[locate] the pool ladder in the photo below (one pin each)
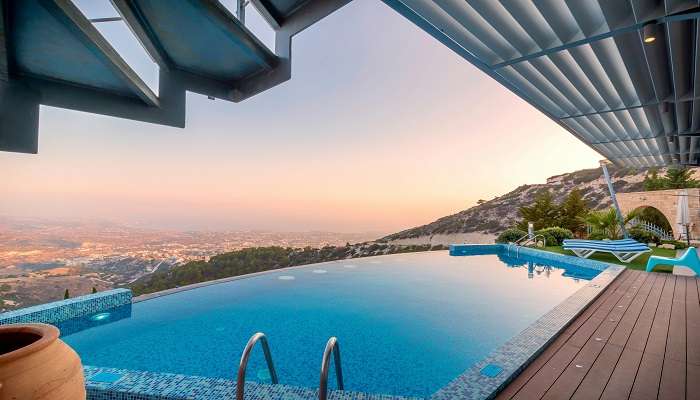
(525, 241)
(332, 348)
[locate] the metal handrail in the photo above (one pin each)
(533, 239)
(529, 239)
(517, 242)
(331, 347)
(240, 382)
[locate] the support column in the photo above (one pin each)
(19, 118)
(604, 165)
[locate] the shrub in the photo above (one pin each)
(643, 236)
(555, 236)
(510, 235)
(597, 236)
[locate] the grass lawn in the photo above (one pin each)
(639, 263)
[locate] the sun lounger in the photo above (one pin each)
(624, 250)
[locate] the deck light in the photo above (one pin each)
(649, 33)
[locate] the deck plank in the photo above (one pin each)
(646, 385)
(598, 376)
(692, 312)
(541, 381)
(620, 384)
(522, 379)
(639, 340)
(570, 379)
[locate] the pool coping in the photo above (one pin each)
(485, 379)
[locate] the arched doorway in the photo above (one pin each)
(653, 220)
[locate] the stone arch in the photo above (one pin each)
(668, 221)
(666, 201)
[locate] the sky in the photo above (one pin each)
(381, 128)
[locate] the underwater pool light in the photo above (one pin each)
(101, 316)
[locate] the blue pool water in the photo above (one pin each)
(407, 324)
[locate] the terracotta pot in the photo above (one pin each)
(36, 365)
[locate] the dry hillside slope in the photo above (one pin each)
(481, 223)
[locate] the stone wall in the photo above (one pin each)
(666, 201)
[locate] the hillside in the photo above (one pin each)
(481, 223)
(258, 259)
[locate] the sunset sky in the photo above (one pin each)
(381, 128)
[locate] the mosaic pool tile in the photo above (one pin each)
(137, 385)
(59, 311)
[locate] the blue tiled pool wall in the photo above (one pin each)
(516, 255)
(102, 317)
(64, 310)
(120, 384)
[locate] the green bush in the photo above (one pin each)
(643, 236)
(510, 235)
(597, 236)
(555, 236)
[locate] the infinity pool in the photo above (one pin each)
(407, 324)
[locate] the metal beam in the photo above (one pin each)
(19, 118)
(4, 66)
(65, 11)
(106, 19)
(439, 34)
(621, 220)
(596, 38)
(312, 12)
(265, 9)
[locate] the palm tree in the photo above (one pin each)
(606, 222)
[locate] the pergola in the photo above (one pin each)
(619, 75)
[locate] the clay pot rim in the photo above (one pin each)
(48, 334)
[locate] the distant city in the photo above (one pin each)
(41, 259)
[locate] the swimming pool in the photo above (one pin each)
(407, 324)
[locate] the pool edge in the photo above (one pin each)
(167, 292)
(518, 352)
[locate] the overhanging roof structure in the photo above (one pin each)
(584, 64)
(51, 54)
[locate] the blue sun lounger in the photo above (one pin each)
(624, 250)
(688, 259)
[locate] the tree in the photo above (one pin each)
(652, 180)
(680, 178)
(94, 290)
(571, 212)
(543, 213)
(480, 202)
(604, 222)
(66, 294)
(675, 178)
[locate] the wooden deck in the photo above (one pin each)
(639, 340)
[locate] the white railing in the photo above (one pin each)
(651, 228)
(645, 226)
